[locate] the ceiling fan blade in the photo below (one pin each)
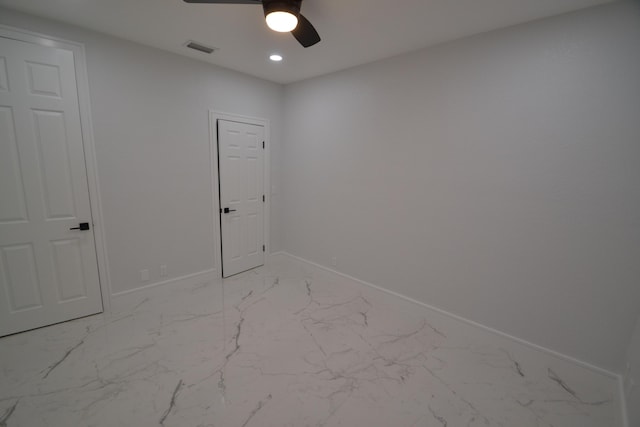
(225, 1)
(305, 33)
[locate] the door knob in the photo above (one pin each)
(227, 210)
(83, 226)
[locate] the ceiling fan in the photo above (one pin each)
(281, 15)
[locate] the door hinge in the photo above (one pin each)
(263, 248)
(263, 145)
(263, 198)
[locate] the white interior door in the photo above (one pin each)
(241, 171)
(48, 272)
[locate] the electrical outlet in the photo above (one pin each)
(334, 261)
(163, 270)
(144, 275)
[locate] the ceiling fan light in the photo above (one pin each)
(282, 21)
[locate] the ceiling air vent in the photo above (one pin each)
(200, 47)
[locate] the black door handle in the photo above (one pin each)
(227, 210)
(83, 226)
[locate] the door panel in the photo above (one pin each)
(48, 273)
(67, 262)
(241, 171)
(44, 79)
(20, 278)
(53, 156)
(4, 81)
(13, 207)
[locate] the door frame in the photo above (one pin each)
(88, 143)
(214, 116)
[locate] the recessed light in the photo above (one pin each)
(275, 57)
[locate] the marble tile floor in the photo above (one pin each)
(288, 345)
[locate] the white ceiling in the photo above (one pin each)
(353, 31)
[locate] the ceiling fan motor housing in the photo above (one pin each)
(291, 6)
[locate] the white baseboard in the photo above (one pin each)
(123, 300)
(623, 402)
(617, 377)
(549, 351)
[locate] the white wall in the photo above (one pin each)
(150, 119)
(495, 177)
(632, 378)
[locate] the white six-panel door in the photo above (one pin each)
(48, 273)
(241, 172)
